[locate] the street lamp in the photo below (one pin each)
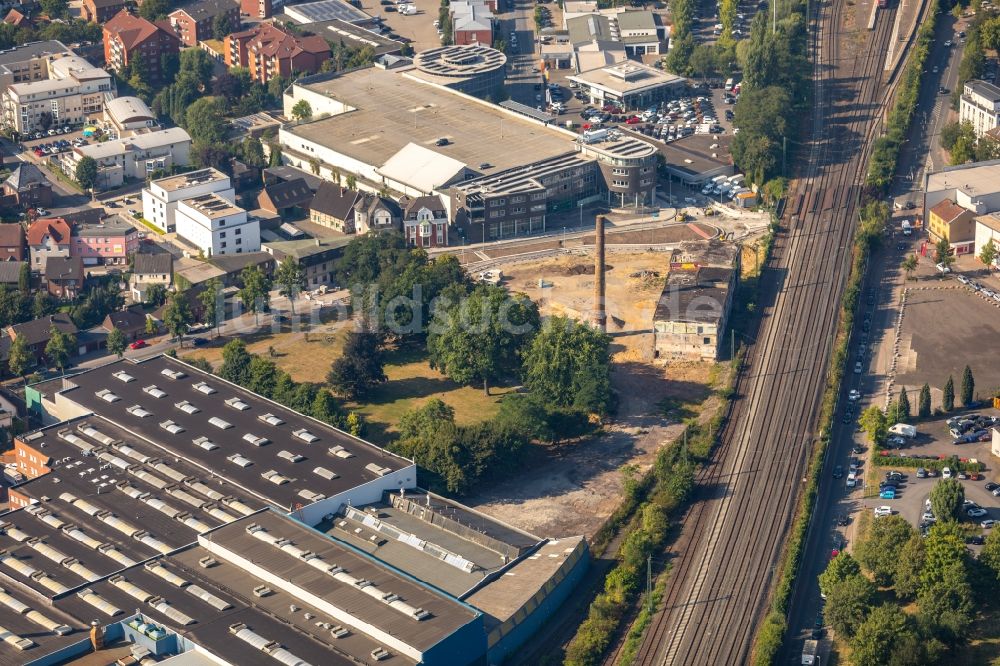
(579, 204)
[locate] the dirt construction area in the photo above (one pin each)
(575, 487)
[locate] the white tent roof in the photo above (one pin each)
(421, 168)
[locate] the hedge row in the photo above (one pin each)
(954, 462)
(885, 151)
(644, 516)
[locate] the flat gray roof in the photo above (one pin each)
(31, 50)
(393, 110)
(325, 10)
(43, 640)
(352, 471)
(973, 179)
(446, 615)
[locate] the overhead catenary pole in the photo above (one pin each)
(600, 316)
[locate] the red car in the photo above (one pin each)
(634, 120)
(138, 344)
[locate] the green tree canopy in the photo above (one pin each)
(355, 372)
(839, 568)
(212, 306)
(478, 339)
(948, 395)
(256, 292)
(569, 364)
(86, 172)
(909, 567)
(848, 603)
(60, 347)
(204, 119)
(874, 423)
(116, 342)
(156, 294)
(55, 8)
(19, 357)
(947, 496)
(236, 362)
(924, 409)
(302, 110)
(290, 279)
(968, 387)
(878, 553)
(152, 10)
(177, 317)
(903, 405)
(876, 638)
(988, 254)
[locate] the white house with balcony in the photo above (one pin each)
(73, 91)
(133, 158)
(161, 196)
(217, 226)
(980, 105)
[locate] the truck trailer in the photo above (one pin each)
(810, 653)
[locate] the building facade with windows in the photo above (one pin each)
(980, 106)
(268, 52)
(134, 158)
(111, 242)
(127, 36)
(160, 197)
(194, 21)
(72, 91)
(217, 226)
(425, 221)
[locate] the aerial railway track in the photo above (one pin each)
(732, 538)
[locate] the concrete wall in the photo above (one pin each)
(366, 493)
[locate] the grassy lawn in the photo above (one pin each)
(412, 383)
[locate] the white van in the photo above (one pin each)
(729, 85)
(907, 228)
(737, 179)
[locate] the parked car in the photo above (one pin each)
(890, 493)
(988, 523)
(854, 395)
(138, 344)
(992, 486)
(976, 512)
(946, 473)
(883, 511)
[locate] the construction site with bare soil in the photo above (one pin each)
(578, 485)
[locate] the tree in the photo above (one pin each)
(875, 424)
(55, 8)
(990, 555)
(290, 279)
(478, 339)
(878, 553)
(847, 604)
(703, 61)
(909, 265)
(262, 377)
(177, 317)
(924, 408)
(302, 110)
(152, 10)
(352, 182)
(86, 172)
(968, 387)
(909, 567)
(198, 65)
(151, 326)
(947, 496)
(948, 397)
(942, 250)
(116, 342)
(222, 26)
(903, 405)
(274, 158)
(988, 255)
(212, 306)
(840, 568)
(204, 119)
(156, 295)
(253, 152)
(236, 361)
(24, 279)
(360, 367)
(256, 292)
(947, 605)
(20, 359)
(43, 305)
(59, 347)
(569, 364)
(874, 642)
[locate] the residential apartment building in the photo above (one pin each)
(948, 221)
(161, 196)
(101, 11)
(28, 62)
(980, 105)
(72, 91)
(316, 257)
(133, 158)
(111, 242)
(48, 238)
(127, 35)
(217, 226)
(194, 21)
(12, 244)
(28, 187)
(261, 9)
(425, 221)
(268, 52)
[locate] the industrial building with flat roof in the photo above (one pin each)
(156, 505)
(394, 130)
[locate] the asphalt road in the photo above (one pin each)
(731, 540)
